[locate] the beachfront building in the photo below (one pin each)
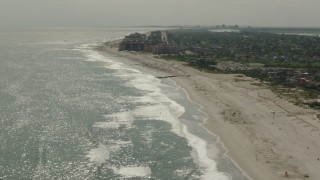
(164, 49)
(154, 42)
(133, 42)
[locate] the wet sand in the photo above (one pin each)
(265, 136)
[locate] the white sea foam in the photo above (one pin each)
(165, 109)
(115, 120)
(162, 113)
(145, 82)
(99, 155)
(120, 116)
(130, 71)
(169, 111)
(130, 172)
(114, 66)
(162, 108)
(200, 151)
(106, 125)
(99, 58)
(116, 145)
(142, 99)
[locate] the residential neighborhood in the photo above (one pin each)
(289, 60)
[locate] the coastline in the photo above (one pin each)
(264, 135)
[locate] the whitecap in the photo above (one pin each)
(130, 172)
(99, 155)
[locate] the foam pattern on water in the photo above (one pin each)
(129, 172)
(154, 105)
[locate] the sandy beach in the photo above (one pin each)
(265, 136)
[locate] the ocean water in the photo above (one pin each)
(70, 112)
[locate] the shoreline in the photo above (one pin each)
(264, 135)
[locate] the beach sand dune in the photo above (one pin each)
(265, 135)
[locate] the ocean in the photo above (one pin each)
(68, 111)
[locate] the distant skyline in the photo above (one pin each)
(275, 13)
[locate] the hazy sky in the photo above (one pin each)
(159, 12)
